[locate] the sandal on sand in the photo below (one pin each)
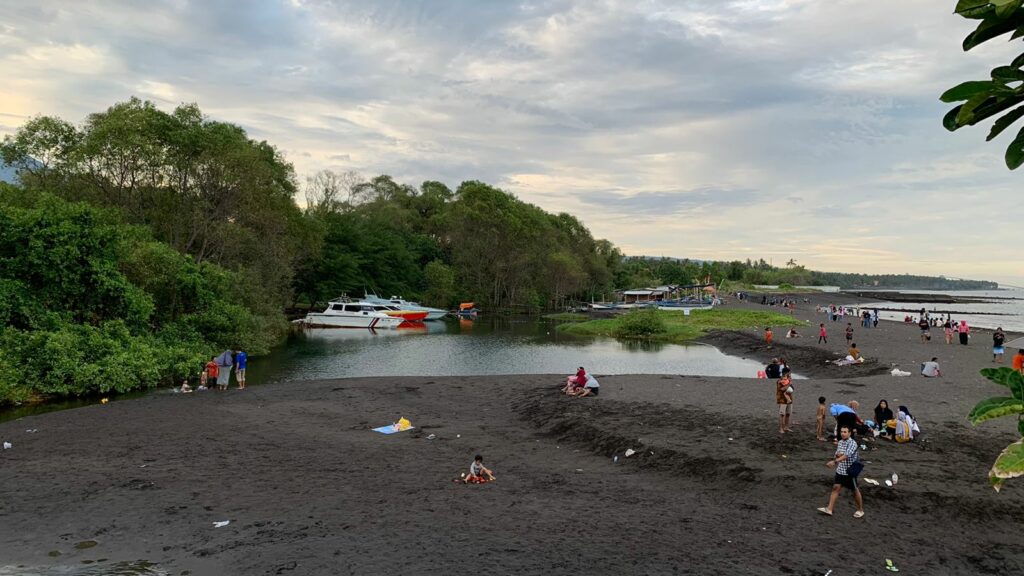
(825, 511)
(858, 514)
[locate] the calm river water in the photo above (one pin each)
(486, 346)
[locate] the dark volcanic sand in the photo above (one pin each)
(309, 489)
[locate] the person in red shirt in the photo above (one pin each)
(768, 335)
(212, 370)
(1018, 361)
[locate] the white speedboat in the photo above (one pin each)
(347, 314)
(432, 313)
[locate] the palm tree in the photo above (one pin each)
(791, 263)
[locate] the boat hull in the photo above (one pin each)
(339, 321)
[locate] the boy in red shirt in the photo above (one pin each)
(768, 335)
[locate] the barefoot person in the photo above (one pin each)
(478, 473)
(784, 398)
(819, 420)
(241, 361)
(846, 473)
(998, 337)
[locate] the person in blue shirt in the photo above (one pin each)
(241, 360)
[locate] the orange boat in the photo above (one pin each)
(391, 310)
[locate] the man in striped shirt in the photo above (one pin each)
(846, 455)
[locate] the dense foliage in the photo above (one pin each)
(1003, 91)
(89, 304)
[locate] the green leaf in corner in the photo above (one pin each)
(1007, 377)
(1004, 123)
(990, 408)
(1020, 427)
(968, 89)
(1005, 7)
(1009, 464)
(1015, 152)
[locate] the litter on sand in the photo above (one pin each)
(890, 566)
(32, 431)
(221, 524)
(872, 482)
(431, 437)
(629, 452)
(898, 372)
(888, 483)
(895, 478)
(8, 445)
(401, 426)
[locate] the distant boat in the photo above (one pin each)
(430, 313)
(343, 313)
(467, 309)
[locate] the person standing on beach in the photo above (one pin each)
(998, 337)
(965, 332)
(212, 371)
(224, 363)
(926, 331)
(947, 327)
(849, 333)
(822, 334)
(768, 335)
(874, 318)
(784, 398)
(819, 420)
(1018, 361)
(846, 456)
(241, 361)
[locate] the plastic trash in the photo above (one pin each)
(863, 446)
(872, 482)
(615, 459)
(221, 524)
(895, 478)
(898, 372)
(888, 483)
(629, 452)
(431, 437)
(8, 445)
(890, 566)
(32, 431)
(104, 400)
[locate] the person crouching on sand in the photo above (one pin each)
(478, 473)
(846, 456)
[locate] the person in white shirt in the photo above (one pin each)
(931, 369)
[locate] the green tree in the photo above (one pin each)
(1003, 91)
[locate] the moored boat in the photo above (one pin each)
(343, 313)
(405, 305)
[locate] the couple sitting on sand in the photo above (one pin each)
(901, 428)
(582, 384)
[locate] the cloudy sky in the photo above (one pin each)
(723, 129)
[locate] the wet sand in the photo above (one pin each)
(713, 489)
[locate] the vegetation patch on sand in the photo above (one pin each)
(673, 326)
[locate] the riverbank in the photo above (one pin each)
(308, 487)
(678, 328)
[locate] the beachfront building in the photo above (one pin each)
(641, 295)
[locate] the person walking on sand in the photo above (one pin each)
(1018, 361)
(847, 464)
(947, 327)
(241, 361)
(784, 398)
(998, 337)
(926, 330)
(849, 333)
(965, 332)
(822, 334)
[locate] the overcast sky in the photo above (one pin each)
(716, 129)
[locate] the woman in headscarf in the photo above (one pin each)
(906, 428)
(882, 414)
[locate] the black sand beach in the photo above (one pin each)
(713, 489)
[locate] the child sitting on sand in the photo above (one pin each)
(478, 473)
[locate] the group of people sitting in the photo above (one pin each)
(581, 384)
(900, 428)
